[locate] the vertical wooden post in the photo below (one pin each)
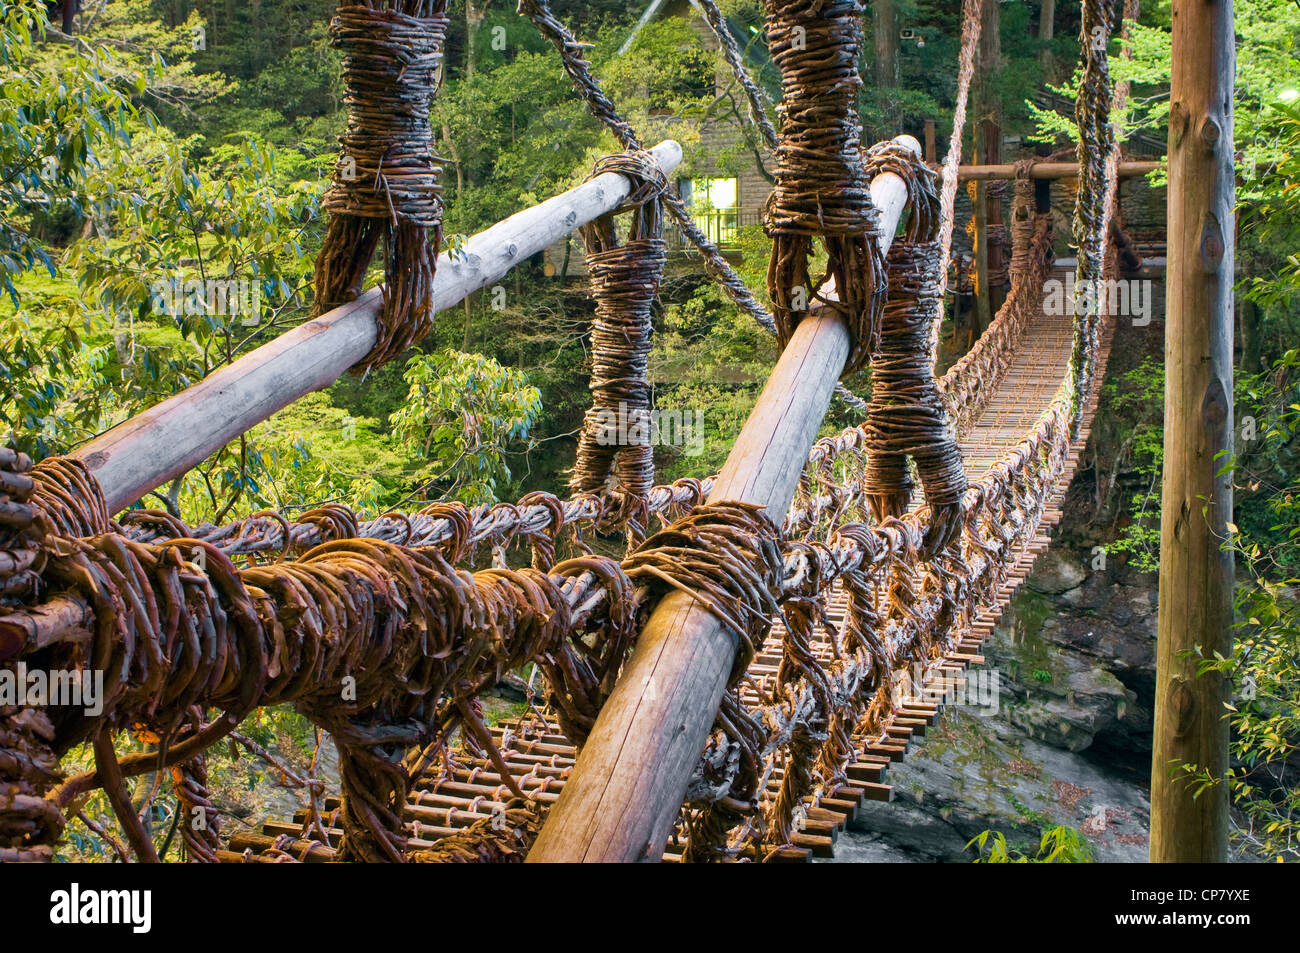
(1043, 187)
(989, 113)
(991, 133)
(885, 27)
(982, 314)
(1196, 573)
(1046, 28)
(929, 142)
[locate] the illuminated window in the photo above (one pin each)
(713, 207)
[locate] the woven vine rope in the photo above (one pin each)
(971, 23)
(822, 189)
(728, 556)
(385, 186)
(907, 416)
(615, 438)
(382, 646)
(1096, 145)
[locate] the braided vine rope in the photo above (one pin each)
(625, 279)
(906, 416)
(385, 185)
(971, 23)
(1096, 145)
(822, 189)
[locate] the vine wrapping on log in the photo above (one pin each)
(906, 416)
(822, 188)
(385, 187)
(625, 280)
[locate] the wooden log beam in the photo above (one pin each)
(1050, 170)
(1196, 570)
(163, 442)
(630, 778)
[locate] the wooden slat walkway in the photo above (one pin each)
(540, 758)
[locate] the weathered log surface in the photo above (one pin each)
(1196, 570)
(1050, 170)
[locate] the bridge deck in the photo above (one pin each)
(540, 758)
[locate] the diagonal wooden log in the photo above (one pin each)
(630, 779)
(163, 442)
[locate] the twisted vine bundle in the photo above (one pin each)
(906, 416)
(727, 556)
(385, 186)
(625, 282)
(1096, 144)
(19, 539)
(380, 645)
(822, 188)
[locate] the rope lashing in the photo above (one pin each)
(583, 668)
(971, 24)
(68, 499)
(728, 556)
(29, 766)
(377, 644)
(19, 537)
(822, 189)
(800, 669)
(385, 185)
(1023, 206)
(504, 838)
(907, 416)
(625, 282)
(1096, 144)
(199, 821)
(57, 497)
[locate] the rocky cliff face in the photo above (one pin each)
(1068, 741)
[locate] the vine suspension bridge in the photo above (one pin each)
(737, 684)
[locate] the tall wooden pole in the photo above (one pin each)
(1046, 28)
(630, 779)
(991, 136)
(885, 25)
(1196, 572)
